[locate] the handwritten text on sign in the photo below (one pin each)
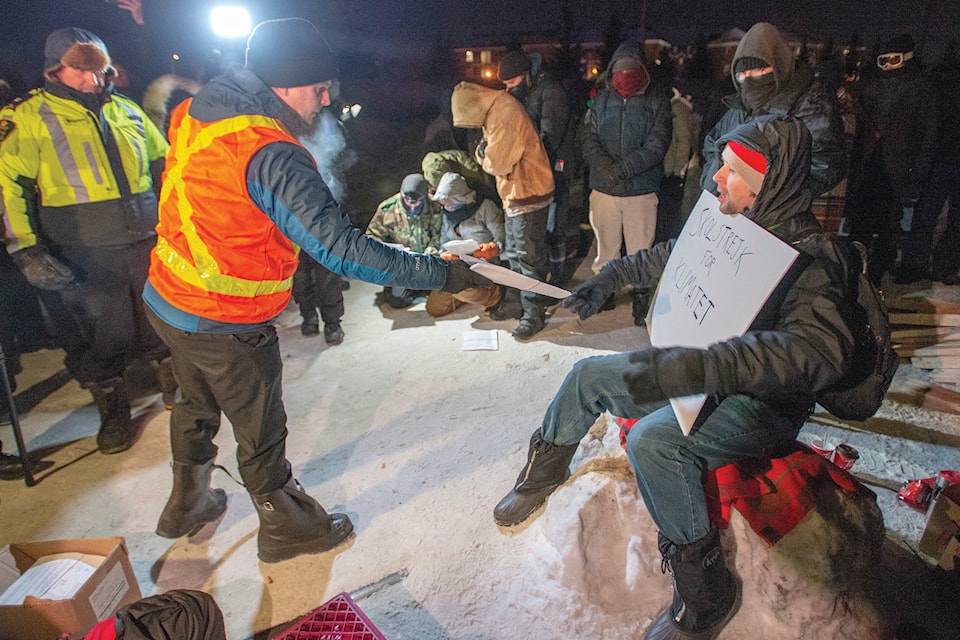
(721, 271)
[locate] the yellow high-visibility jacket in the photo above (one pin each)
(58, 183)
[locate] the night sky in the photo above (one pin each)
(182, 25)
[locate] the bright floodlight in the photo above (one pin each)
(230, 22)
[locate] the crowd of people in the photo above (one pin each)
(181, 248)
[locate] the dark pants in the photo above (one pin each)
(526, 252)
(100, 321)
(239, 374)
(316, 287)
(873, 215)
(943, 185)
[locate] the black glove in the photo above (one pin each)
(587, 299)
(460, 277)
(659, 374)
(42, 270)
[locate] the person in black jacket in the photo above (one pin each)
(900, 142)
(771, 81)
(625, 137)
(548, 106)
(761, 385)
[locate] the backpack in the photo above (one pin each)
(859, 393)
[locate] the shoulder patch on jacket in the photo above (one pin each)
(6, 128)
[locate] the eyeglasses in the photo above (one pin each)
(413, 197)
(893, 60)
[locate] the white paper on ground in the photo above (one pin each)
(504, 276)
(480, 341)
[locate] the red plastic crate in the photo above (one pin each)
(339, 618)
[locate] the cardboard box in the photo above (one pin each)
(111, 585)
(943, 525)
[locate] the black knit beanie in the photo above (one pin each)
(290, 53)
(513, 64)
(749, 62)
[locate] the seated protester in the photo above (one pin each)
(466, 219)
(762, 385)
(408, 218)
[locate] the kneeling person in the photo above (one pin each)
(466, 219)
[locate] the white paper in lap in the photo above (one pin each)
(721, 271)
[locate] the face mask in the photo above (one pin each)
(453, 206)
(756, 91)
(417, 207)
(628, 83)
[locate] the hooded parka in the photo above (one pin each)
(794, 92)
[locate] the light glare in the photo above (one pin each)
(230, 22)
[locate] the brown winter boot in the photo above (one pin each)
(547, 467)
(192, 503)
(292, 523)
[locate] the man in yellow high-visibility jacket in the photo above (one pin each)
(78, 164)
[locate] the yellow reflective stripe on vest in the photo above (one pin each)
(204, 272)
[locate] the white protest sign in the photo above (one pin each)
(721, 271)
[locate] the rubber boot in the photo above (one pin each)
(641, 305)
(292, 523)
(509, 307)
(530, 324)
(547, 467)
(116, 432)
(705, 594)
(192, 503)
(167, 381)
(311, 321)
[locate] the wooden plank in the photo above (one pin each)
(936, 362)
(941, 334)
(923, 305)
(926, 319)
(938, 398)
(930, 350)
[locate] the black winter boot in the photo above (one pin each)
(705, 593)
(547, 467)
(116, 432)
(509, 306)
(167, 381)
(192, 503)
(641, 305)
(311, 321)
(292, 523)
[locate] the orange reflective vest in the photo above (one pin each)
(218, 256)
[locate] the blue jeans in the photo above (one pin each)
(670, 467)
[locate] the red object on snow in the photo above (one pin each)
(339, 618)
(772, 494)
(105, 630)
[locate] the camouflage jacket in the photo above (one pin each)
(420, 234)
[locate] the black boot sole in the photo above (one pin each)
(192, 528)
(341, 530)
